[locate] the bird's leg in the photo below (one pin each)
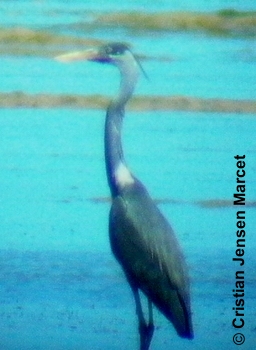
(146, 330)
(151, 326)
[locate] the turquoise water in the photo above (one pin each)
(60, 287)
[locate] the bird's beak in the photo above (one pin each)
(87, 55)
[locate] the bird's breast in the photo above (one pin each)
(123, 176)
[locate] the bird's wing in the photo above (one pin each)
(145, 245)
(138, 227)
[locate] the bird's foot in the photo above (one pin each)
(146, 334)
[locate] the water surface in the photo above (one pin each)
(60, 287)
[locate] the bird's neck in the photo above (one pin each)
(129, 72)
(117, 172)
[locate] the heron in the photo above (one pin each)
(141, 238)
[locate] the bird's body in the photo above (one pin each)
(145, 246)
(141, 238)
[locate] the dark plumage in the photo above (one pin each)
(146, 247)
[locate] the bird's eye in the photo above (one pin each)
(109, 50)
(116, 49)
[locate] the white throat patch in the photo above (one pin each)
(123, 175)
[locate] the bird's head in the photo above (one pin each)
(113, 53)
(116, 53)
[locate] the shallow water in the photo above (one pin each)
(60, 287)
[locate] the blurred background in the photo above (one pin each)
(60, 287)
